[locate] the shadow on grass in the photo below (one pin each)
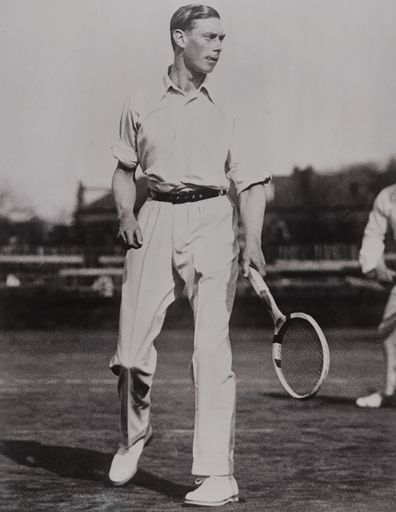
(82, 464)
(326, 399)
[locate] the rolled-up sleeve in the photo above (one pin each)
(125, 149)
(243, 163)
(373, 245)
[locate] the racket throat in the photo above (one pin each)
(278, 320)
(276, 314)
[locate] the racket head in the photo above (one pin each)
(301, 356)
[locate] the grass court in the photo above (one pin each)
(59, 426)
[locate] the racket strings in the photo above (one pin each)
(302, 356)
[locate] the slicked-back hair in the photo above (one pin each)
(185, 16)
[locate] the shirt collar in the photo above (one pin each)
(168, 84)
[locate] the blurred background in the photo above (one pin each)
(315, 84)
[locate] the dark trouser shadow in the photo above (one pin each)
(82, 464)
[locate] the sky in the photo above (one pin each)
(315, 78)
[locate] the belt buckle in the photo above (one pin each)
(175, 196)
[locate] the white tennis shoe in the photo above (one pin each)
(125, 461)
(213, 491)
(374, 400)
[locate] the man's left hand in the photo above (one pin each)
(252, 256)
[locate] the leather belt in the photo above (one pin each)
(186, 196)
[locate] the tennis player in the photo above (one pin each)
(382, 218)
(184, 136)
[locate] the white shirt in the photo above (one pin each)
(382, 217)
(184, 140)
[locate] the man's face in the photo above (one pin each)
(203, 46)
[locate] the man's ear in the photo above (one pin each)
(179, 37)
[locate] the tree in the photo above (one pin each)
(18, 219)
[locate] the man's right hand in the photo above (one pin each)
(382, 273)
(129, 232)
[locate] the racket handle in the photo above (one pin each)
(265, 295)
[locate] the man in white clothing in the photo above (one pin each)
(184, 137)
(382, 218)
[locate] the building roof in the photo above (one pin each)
(103, 204)
(306, 189)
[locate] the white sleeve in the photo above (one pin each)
(125, 148)
(373, 246)
(244, 167)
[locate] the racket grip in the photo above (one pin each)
(266, 297)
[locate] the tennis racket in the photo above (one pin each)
(300, 352)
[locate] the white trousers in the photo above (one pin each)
(387, 326)
(387, 331)
(190, 246)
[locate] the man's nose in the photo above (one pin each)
(218, 46)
